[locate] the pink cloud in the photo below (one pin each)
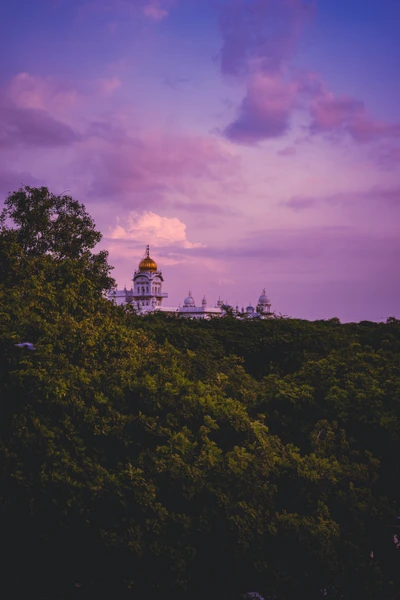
(259, 40)
(154, 12)
(344, 114)
(24, 116)
(265, 110)
(157, 10)
(29, 92)
(112, 155)
(107, 85)
(153, 164)
(288, 151)
(140, 227)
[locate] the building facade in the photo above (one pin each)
(146, 296)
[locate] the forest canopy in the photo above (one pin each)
(159, 456)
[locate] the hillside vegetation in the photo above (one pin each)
(162, 457)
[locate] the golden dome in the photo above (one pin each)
(147, 263)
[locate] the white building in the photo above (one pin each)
(146, 296)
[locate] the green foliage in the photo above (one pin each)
(142, 457)
(41, 233)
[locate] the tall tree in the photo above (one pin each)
(37, 224)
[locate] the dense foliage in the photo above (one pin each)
(149, 457)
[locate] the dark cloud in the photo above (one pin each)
(300, 203)
(33, 127)
(264, 112)
(259, 39)
(387, 157)
(336, 248)
(174, 83)
(263, 32)
(375, 195)
(202, 208)
(11, 181)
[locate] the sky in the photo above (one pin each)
(251, 143)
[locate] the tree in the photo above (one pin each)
(41, 230)
(159, 456)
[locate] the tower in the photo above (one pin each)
(147, 283)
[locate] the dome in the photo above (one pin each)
(147, 263)
(249, 309)
(263, 299)
(189, 301)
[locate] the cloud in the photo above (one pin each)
(161, 231)
(300, 203)
(386, 156)
(202, 208)
(259, 41)
(154, 10)
(29, 92)
(24, 116)
(265, 110)
(334, 248)
(107, 85)
(377, 195)
(154, 163)
(113, 155)
(11, 181)
(261, 35)
(174, 82)
(33, 127)
(288, 151)
(344, 114)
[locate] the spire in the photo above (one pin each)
(147, 263)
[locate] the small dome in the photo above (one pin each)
(147, 263)
(249, 309)
(189, 301)
(263, 299)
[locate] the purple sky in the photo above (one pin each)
(251, 143)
